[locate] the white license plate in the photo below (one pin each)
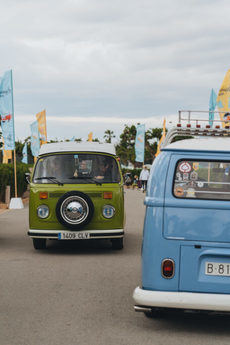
(73, 235)
(217, 269)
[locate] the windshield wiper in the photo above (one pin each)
(50, 178)
(88, 179)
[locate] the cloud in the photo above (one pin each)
(94, 58)
(69, 126)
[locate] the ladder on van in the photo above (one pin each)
(190, 123)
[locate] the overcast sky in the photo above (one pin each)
(100, 64)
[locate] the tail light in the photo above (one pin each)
(167, 268)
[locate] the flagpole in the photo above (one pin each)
(15, 175)
(15, 166)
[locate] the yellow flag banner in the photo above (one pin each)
(223, 99)
(90, 136)
(7, 154)
(161, 139)
(41, 118)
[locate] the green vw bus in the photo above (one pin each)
(76, 193)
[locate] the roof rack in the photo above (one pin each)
(196, 126)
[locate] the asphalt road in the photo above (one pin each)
(81, 293)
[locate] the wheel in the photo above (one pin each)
(117, 243)
(74, 210)
(39, 243)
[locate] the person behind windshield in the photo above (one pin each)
(104, 172)
(82, 170)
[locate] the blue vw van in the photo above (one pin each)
(186, 236)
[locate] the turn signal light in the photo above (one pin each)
(107, 195)
(43, 195)
(167, 268)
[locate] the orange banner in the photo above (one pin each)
(7, 154)
(223, 100)
(90, 136)
(161, 139)
(41, 118)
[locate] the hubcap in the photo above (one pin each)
(74, 210)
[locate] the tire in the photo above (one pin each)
(74, 210)
(39, 243)
(117, 244)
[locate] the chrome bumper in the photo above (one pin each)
(145, 299)
(94, 234)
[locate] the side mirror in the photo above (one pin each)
(28, 177)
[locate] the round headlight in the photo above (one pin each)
(108, 211)
(43, 211)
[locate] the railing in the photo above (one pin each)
(189, 114)
(194, 126)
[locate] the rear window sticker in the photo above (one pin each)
(190, 193)
(195, 165)
(184, 167)
(185, 177)
(178, 176)
(179, 191)
(193, 176)
(200, 184)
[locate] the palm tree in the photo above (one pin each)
(108, 136)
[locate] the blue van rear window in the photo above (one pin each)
(202, 180)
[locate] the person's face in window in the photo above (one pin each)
(83, 165)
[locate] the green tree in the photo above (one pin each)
(78, 140)
(19, 147)
(108, 136)
(125, 149)
(152, 137)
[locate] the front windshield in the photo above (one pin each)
(76, 168)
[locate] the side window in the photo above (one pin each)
(202, 180)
